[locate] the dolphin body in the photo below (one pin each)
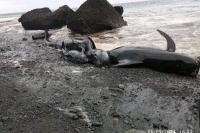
(83, 50)
(155, 59)
(161, 60)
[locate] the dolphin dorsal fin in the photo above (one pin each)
(171, 46)
(93, 44)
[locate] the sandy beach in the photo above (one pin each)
(40, 92)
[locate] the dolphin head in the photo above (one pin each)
(98, 57)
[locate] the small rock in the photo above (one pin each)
(2, 50)
(117, 90)
(77, 130)
(44, 85)
(105, 97)
(72, 110)
(10, 128)
(163, 127)
(17, 64)
(147, 119)
(24, 39)
(5, 118)
(176, 91)
(67, 78)
(126, 122)
(16, 89)
(114, 95)
(69, 93)
(115, 114)
(38, 106)
(97, 124)
(73, 103)
(183, 98)
(24, 91)
(121, 86)
(72, 115)
(93, 77)
(155, 126)
(115, 121)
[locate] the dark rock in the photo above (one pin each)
(147, 119)
(16, 89)
(38, 36)
(34, 19)
(97, 124)
(119, 9)
(61, 17)
(95, 16)
(5, 118)
(121, 86)
(24, 39)
(44, 19)
(67, 78)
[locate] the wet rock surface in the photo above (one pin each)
(95, 16)
(42, 92)
(31, 19)
(44, 19)
(119, 9)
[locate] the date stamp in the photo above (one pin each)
(170, 131)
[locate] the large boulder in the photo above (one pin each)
(44, 19)
(95, 16)
(119, 9)
(60, 17)
(34, 19)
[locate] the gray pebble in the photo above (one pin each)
(97, 124)
(5, 118)
(121, 86)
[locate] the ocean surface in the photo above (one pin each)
(179, 18)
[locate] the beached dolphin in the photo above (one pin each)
(80, 44)
(156, 59)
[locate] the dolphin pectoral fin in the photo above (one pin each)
(171, 46)
(127, 62)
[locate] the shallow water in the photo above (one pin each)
(180, 19)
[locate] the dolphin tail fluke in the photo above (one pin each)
(171, 46)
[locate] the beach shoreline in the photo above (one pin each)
(35, 81)
(42, 92)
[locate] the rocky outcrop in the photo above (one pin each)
(34, 19)
(119, 9)
(60, 17)
(95, 16)
(92, 16)
(44, 19)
